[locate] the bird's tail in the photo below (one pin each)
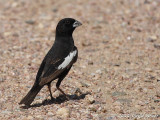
(27, 100)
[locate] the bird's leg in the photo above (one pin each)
(58, 84)
(49, 87)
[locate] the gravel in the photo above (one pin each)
(118, 71)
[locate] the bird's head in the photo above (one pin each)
(66, 26)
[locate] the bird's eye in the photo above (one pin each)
(67, 22)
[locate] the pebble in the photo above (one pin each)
(137, 106)
(148, 69)
(129, 38)
(157, 46)
(15, 4)
(39, 116)
(51, 118)
(50, 114)
(2, 79)
(117, 93)
(92, 108)
(90, 99)
(158, 94)
(56, 93)
(99, 90)
(152, 39)
(117, 103)
(55, 10)
(157, 101)
(40, 25)
(90, 63)
(63, 112)
(99, 71)
(93, 74)
(39, 101)
(84, 84)
(77, 91)
(124, 100)
(29, 118)
(141, 103)
(0, 93)
(6, 34)
(31, 22)
(5, 112)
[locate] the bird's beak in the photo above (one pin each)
(76, 24)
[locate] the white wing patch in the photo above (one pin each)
(68, 59)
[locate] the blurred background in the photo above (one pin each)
(119, 58)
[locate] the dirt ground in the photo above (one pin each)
(118, 69)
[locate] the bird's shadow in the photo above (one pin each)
(58, 100)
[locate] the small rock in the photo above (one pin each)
(39, 117)
(2, 79)
(6, 34)
(158, 94)
(104, 110)
(0, 93)
(137, 106)
(117, 65)
(15, 34)
(84, 84)
(148, 69)
(55, 10)
(158, 80)
(99, 90)
(84, 43)
(29, 118)
(15, 4)
(117, 93)
(93, 108)
(56, 93)
(147, 1)
(99, 71)
(39, 101)
(141, 103)
(145, 90)
(40, 25)
(93, 74)
(63, 112)
(157, 101)
(129, 38)
(106, 37)
(152, 39)
(157, 46)
(51, 118)
(90, 63)
(117, 103)
(128, 62)
(5, 112)
(124, 100)
(148, 81)
(90, 99)
(78, 91)
(31, 22)
(111, 118)
(50, 114)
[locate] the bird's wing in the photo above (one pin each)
(39, 73)
(48, 70)
(52, 67)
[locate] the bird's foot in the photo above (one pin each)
(52, 98)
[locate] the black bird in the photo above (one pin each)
(58, 61)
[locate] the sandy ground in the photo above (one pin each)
(118, 70)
